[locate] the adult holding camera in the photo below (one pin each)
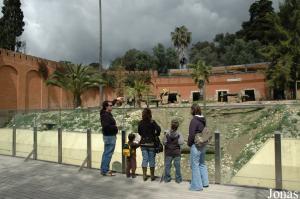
(109, 130)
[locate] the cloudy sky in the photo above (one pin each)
(69, 29)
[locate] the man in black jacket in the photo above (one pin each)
(109, 130)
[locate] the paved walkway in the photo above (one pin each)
(43, 180)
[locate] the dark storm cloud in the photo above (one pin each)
(69, 29)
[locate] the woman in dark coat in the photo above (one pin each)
(148, 129)
(197, 156)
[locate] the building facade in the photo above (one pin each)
(22, 86)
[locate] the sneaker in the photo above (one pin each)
(110, 173)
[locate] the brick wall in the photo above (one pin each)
(21, 86)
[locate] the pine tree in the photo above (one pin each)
(11, 25)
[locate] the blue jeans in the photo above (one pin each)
(109, 148)
(199, 169)
(148, 157)
(168, 164)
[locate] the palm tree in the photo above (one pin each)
(200, 74)
(76, 79)
(138, 90)
(181, 39)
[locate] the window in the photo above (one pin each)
(250, 95)
(197, 96)
(222, 96)
(172, 98)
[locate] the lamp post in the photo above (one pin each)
(100, 52)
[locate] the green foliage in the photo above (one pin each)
(129, 81)
(200, 71)
(279, 72)
(227, 50)
(261, 25)
(181, 39)
(43, 69)
(109, 79)
(76, 79)
(267, 127)
(206, 51)
(135, 60)
(289, 15)
(138, 90)
(164, 58)
(11, 24)
(241, 52)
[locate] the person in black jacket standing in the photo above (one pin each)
(109, 130)
(148, 129)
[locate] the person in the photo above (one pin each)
(148, 129)
(197, 156)
(131, 160)
(173, 140)
(109, 130)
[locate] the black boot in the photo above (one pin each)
(144, 173)
(152, 170)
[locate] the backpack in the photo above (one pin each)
(202, 138)
(126, 150)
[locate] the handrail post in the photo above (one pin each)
(89, 148)
(14, 145)
(35, 143)
(217, 157)
(278, 162)
(59, 145)
(123, 157)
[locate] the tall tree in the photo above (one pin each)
(172, 58)
(160, 58)
(205, 51)
(135, 60)
(243, 52)
(181, 39)
(261, 25)
(289, 15)
(76, 79)
(200, 74)
(11, 25)
(223, 40)
(164, 58)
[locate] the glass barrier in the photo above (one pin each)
(248, 144)
(74, 138)
(247, 139)
(6, 132)
(290, 148)
(47, 137)
(25, 122)
(97, 138)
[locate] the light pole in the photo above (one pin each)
(100, 52)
